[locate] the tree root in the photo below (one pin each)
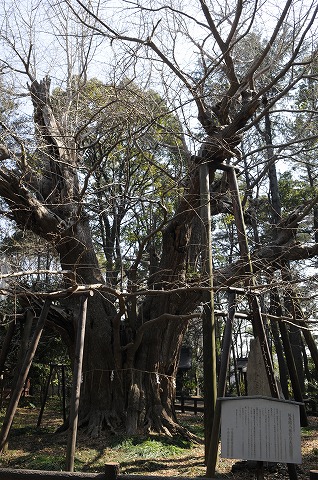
(161, 422)
(97, 421)
(157, 422)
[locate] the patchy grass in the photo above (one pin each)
(42, 449)
(151, 448)
(194, 423)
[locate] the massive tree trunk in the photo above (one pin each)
(130, 361)
(128, 370)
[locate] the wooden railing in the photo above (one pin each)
(189, 404)
(196, 405)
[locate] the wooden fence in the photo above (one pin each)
(196, 405)
(189, 404)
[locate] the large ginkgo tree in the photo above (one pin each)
(108, 172)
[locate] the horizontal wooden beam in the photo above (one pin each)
(21, 474)
(153, 477)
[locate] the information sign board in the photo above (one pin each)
(261, 429)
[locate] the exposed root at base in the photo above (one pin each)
(98, 421)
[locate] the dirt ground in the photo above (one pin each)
(193, 464)
(236, 469)
(29, 447)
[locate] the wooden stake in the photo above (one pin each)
(209, 341)
(63, 393)
(6, 344)
(258, 325)
(13, 404)
(225, 358)
(45, 395)
(257, 322)
(76, 390)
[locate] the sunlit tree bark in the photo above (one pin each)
(133, 341)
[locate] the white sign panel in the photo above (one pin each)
(260, 428)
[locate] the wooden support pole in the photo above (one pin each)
(63, 393)
(111, 471)
(3, 356)
(236, 375)
(209, 341)
(6, 344)
(257, 322)
(225, 358)
(258, 326)
(311, 342)
(24, 342)
(45, 395)
(290, 360)
(13, 404)
(77, 379)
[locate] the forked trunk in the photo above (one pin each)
(128, 375)
(130, 387)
